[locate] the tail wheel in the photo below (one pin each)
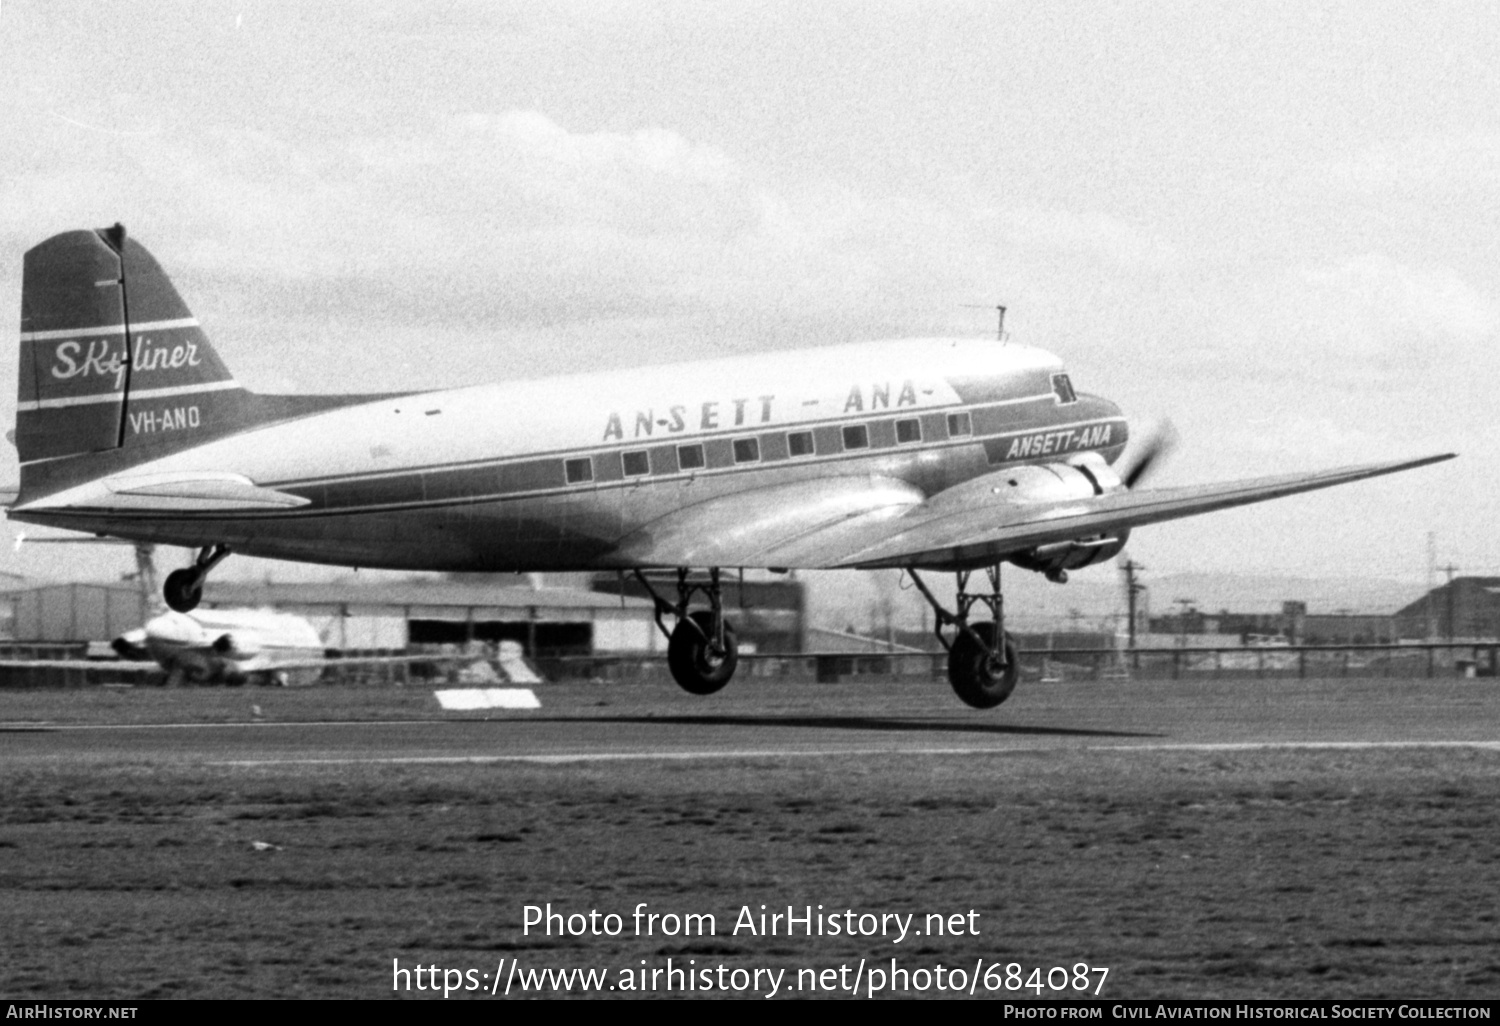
(183, 589)
(976, 672)
(694, 664)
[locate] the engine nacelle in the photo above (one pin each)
(236, 646)
(1056, 559)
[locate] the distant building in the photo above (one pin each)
(1466, 608)
(769, 616)
(76, 612)
(356, 616)
(1294, 625)
(546, 622)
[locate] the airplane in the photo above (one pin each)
(232, 646)
(926, 455)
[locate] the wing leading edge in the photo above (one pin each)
(979, 534)
(870, 523)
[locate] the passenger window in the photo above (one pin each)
(746, 450)
(800, 443)
(579, 471)
(908, 431)
(1064, 389)
(958, 425)
(690, 457)
(856, 436)
(635, 464)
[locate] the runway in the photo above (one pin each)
(753, 719)
(1222, 839)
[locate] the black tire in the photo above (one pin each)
(695, 668)
(972, 670)
(183, 590)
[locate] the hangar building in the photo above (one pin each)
(1466, 608)
(547, 622)
(356, 616)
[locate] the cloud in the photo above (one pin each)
(510, 218)
(1086, 233)
(1443, 162)
(1377, 300)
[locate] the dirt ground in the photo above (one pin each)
(1273, 874)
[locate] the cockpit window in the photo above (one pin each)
(1063, 389)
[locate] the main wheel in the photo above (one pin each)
(183, 590)
(695, 666)
(977, 676)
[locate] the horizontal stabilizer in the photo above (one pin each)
(201, 494)
(173, 493)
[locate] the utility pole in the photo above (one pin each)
(1132, 589)
(1450, 570)
(1431, 584)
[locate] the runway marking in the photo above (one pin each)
(1238, 746)
(822, 753)
(60, 725)
(562, 757)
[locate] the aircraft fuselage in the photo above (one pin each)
(554, 474)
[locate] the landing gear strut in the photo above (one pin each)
(701, 650)
(982, 663)
(184, 588)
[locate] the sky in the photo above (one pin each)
(1275, 224)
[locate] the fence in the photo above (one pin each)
(1414, 660)
(28, 668)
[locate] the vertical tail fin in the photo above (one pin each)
(111, 357)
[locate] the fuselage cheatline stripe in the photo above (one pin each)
(109, 329)
(135, 396)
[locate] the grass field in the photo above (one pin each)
(1262, 873)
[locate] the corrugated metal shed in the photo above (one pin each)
(77, 612)
(428, 599)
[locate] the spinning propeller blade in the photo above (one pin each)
(1158, 444)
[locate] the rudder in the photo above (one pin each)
(111, 357)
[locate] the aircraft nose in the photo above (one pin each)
(1106, 408)
(1100, 408)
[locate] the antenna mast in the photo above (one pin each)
(999, 318)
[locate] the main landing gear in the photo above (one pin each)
(701, 650)
(982, 663)
(184, 588)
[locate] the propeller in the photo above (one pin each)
(1157, 445)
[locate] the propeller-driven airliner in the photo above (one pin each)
(228, 645)
(928, 455)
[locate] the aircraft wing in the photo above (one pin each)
(981, 533)
(871, 522)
